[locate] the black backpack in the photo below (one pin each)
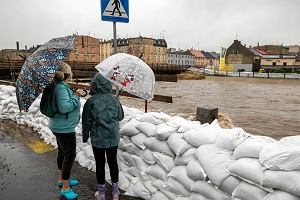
(46, 101)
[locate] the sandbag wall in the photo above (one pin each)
(163, 157)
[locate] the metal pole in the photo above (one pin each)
(115, 51)
(115, 37)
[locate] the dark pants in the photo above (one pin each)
(111, 155)
(66, 153)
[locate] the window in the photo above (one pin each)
(284, 64)
(76, 50)
(76, 58)
(85, 50)
(149, 49)
(274, 63)
(85, 58)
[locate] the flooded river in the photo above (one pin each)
(260, 106)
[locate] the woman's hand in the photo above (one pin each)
(81, 93)
(77, 93)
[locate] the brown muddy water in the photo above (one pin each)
(259, 106)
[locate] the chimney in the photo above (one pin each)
(18, 46)
(26, 47)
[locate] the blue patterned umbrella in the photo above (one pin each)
(40, 68)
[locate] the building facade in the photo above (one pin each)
(294, 50)
(200, 60)
(86, 49)
(14, 54)
(239, 58)
(278, 61)
(182, 58)
(212, 60)
(274, 49)
(153, 51)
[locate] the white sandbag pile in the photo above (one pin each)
(169, 158)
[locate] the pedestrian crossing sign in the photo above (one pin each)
(115, 10)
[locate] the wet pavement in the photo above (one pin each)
(27, 173)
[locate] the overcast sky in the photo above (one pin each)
(207, 24)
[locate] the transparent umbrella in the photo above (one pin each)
(130, 73)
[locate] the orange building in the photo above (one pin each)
(200, 59)
(86, 49)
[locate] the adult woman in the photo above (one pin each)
(67, 115)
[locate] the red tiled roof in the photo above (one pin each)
(262, 52)
(197, 54)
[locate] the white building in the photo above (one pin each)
(180, 57)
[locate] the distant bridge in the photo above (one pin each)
(86, 69)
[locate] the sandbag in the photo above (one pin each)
(139, 163)
(179, 174)
(159, 196)
(280, 195)
(248, 169)
(230, 138)
(147, 156)
(131, 148)
(88, 150)
(166, 162)
(209, 191)
(282, 180)
(138, 189)
(248, 191)
(201, 136)
(196, 196)
(147, 128)
(195, 171)
(186, 157)
(161, 186)
(295, 140)
(139, 139)
(229, 184)
(280, 156)
(157, 172)
(215, 162)
(148, 185)
(251, 147)
(156, 145)
(189, 125)
(177, 188)
(163, 131)
(123, 181)
(126, 158)
(177, 144)
(148, 117)
(129, 128)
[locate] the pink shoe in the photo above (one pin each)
(115, 191)
(100, 194)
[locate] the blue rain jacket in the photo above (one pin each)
(65, 102)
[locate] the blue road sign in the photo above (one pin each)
(115, 10)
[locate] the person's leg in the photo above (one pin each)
(99, 155)
(111, 155)
(68, 146)
(60, 158)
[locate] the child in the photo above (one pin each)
(100, 121)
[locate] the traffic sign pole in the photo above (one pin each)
(115, 37)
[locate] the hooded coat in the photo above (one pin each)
(101, 115)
